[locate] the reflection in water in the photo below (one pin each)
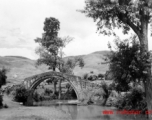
(91, 112)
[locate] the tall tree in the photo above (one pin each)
(125, 14)
(49, 45)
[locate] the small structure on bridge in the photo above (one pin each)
(83, 89)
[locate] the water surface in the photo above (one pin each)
(94, 112)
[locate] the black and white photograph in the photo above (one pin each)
(75, 59)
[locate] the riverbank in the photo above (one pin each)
(15, 111)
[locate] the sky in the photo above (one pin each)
(21, 21)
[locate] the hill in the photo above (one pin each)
(20, 67)
(93, 62)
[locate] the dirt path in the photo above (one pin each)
(15, 111)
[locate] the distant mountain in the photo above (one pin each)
(22, 67)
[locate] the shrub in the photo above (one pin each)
(108, 75)
(85, 76)
(5, 106)
(48, 91)
(49, 81)
(21, 94)
(133, 101)
(3, 76)
(90, 78)
(94, 77)
(112, 86)
(100, 76)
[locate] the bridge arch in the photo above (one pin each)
(83, 89)
(39, 81)
(32, 82)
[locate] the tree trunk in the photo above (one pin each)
(54, 82)
(144, 52)
(54, 87)
(60, 91)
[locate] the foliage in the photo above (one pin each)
(90, 78)
(85, 76)
(3, 76)
(126, 63)
(21, 94)
(112, 86)
(49, 43)
(125, 14)
(108, 75)
(95, 77)
(48, 91)
(69, 65)
(100, 76)
(133, 101)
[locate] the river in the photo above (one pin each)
(94, 112)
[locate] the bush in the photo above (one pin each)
(85, 76)
(94, 77)
(21, 94)
(133, 101)
(48, 91)
(112, 86)
(90, 78)
(3, 76)
(100, 76)
(5, 106)
(109, 75)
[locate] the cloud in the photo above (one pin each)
(14, 38)
(22, 22)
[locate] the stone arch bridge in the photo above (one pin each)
(83, 89)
